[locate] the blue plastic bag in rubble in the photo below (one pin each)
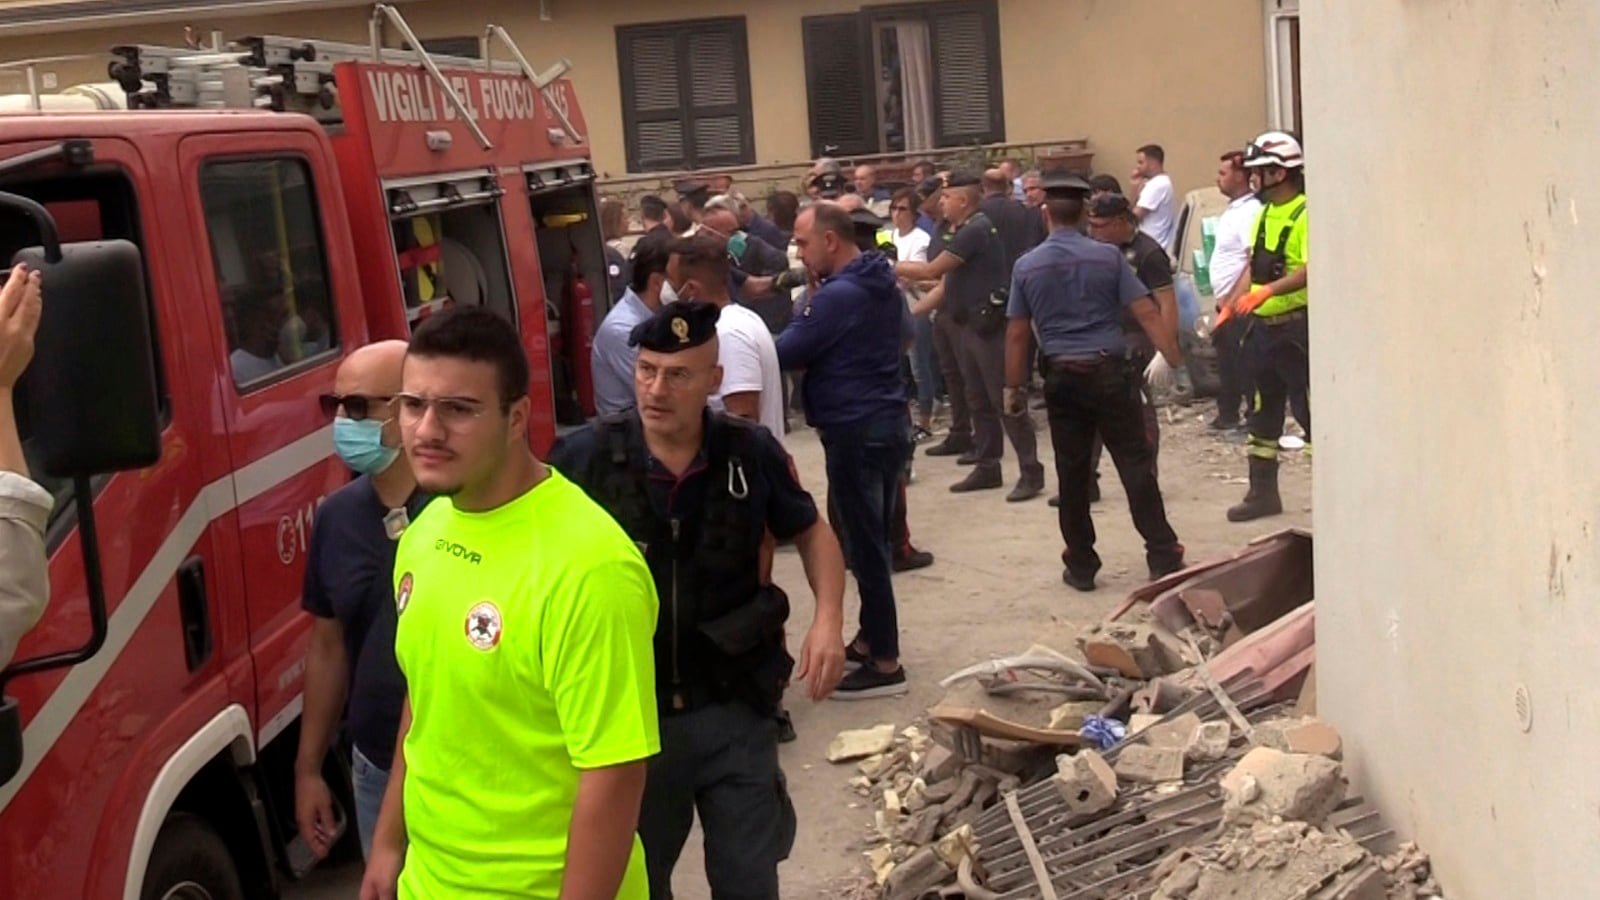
(1102, 732)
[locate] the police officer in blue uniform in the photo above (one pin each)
(1073, 291)
(698, 491)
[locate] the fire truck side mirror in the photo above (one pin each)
(93, 407)
(92, 381)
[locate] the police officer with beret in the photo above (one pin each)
(698, 490)
(1074, 291)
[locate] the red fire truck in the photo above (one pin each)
(260, 209)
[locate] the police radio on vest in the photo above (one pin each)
(405, 96)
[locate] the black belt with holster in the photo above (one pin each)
(1077, 365)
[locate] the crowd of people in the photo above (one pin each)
(553, 667)
(549, 668)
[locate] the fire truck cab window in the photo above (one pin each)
(450, 246)
(266, 244)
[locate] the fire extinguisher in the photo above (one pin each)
(579, 331)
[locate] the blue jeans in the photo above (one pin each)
(864, 462)
(925, 368)
(370, 782)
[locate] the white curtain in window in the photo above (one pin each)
(916, 83)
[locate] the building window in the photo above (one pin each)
(1283, 64)
(904, 79)
(266, 242)
(686, 95)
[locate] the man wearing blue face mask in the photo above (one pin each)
(349, 588)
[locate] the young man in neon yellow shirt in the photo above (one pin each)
(1274, 303)
(525, 623)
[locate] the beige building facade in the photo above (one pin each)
(1457, 490)
(1196, 78)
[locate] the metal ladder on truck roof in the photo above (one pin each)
(292, 74)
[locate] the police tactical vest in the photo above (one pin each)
(720, 631)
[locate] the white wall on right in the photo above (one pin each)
(1455, 209)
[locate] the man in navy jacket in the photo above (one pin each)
(849, 339)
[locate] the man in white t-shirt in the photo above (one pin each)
(1157, 205)
(1230, 260)
(752, 383)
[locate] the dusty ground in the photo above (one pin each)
(995, 589)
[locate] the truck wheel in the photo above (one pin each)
(190, 862)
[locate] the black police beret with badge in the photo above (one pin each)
(963, 178)
(677, 327)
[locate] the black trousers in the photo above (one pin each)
(1152, 425)
(865, 463)
(946, 343)
(721, 761)
(1085, 399)
(1233, 377)
(983, 368)
(1279, 359)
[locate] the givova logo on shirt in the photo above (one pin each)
(484, 625)
(459, 551)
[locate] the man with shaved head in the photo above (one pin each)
(349, 590)
(698, 491)
(866, 187)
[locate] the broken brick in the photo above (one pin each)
(1269, 783)
(1135, 651)
(938, 764)
(1306, 735)
(1140, 721)
(1069, 716)
(1143, 764)
(1086, 783)
(849, 745)
(1209, 742)
(916, 876)
(1175, 734)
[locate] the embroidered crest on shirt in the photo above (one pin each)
(402, 596)
(483, 625)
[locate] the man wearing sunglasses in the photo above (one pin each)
(349, 592)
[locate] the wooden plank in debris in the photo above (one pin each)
(988, 725)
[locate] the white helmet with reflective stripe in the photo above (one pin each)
(1274, 148)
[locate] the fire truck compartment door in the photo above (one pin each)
(422, 196)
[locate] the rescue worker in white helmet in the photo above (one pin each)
(1272, 298)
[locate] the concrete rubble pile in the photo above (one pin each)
(1181, 758)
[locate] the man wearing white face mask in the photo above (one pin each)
(349, 588)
